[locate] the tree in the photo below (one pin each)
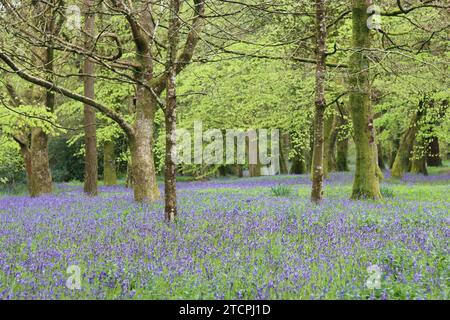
(434, 157)
(32, 138)
(320, 103)
(366, 183)
(170, 113)
(90, 164)
(17, 123)
(402, 159)
(148, 86)
(330, 139)
(342, 138)
(109, 166)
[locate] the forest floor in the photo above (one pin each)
(250, 238)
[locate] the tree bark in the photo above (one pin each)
(41, 179)
(419, 166)
(26, 156)
(366, 181)
(109, 164)
(330, 136)
(342, 141)
(254, 169)
(239, 171)
(170, 115)
(129, 178)
(90, 138)
(402, 159)
(320, 104)
(393, 149)
(145, 186)
(284, 152)
(381, 163)
(434, 155)
(21, 139)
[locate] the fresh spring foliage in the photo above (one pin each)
(281, 191)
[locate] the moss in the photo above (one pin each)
(366, 182)
(41, 179)
(109, 167)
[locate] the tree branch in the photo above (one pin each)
(67, 93)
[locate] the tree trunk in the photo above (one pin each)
(366, 183)
(90, 138)
(330, 136)
(223, 171)
(26, 156)
(239, 172)
(170, 115)
(394, 146)
(109, 164)
(254, 169)
(342, 155)
(129, 178)
(310, 151)
(380, 157)
(38, 148)
(320, 104)
(284, 152)
(419, 166)
(298, 165)
(434, 155)
(402, 159)
(145, 186)
(170, 165)
(41, 179)
(342, 142)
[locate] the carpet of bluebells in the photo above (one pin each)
(234, 240)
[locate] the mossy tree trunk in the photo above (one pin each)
(402, 159)
(434, 154)
(419, 166)
(170, 115)
(393, 149)
(129, 177)
(342, 140)
(145, 186)
(330, 137)
(320, 104)
(366, 182)
(309, 152)
(381, 163)
(22, 139)
(23, 142)
(41, 179)
(342, 155)
(109, 164)
(90, 128)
